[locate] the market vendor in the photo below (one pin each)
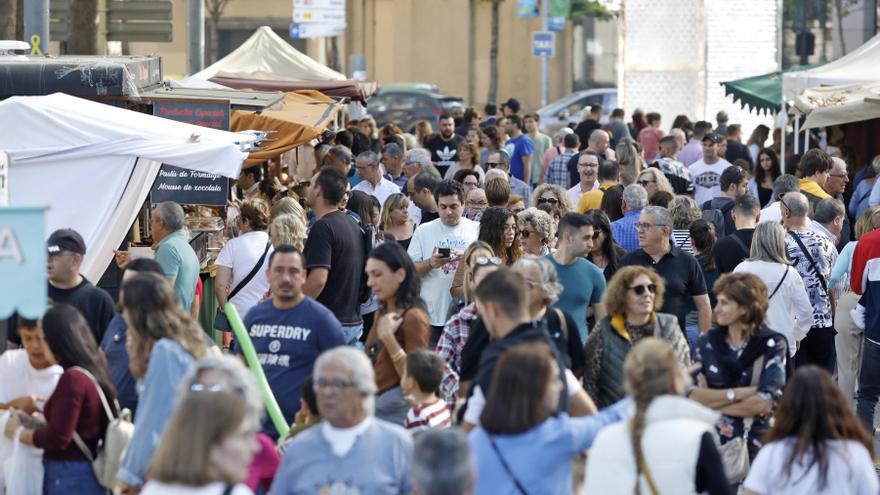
(173, 252)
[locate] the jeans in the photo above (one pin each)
(68, 477)
(869, 384)
(352, 334)
(692, 332)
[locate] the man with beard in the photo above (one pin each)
(444, 145)
(289, 331)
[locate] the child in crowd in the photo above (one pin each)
(420, 382)
(308, 415)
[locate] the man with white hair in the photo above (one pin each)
(812, 255)
(443, 463)
(351, 451)
(419, 160)
(635, 197)
(173, 252)
(835, 185)
(374, 184)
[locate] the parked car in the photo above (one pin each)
(572, 108)
(407, 107)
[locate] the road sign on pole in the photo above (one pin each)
(317, 18)
(543, 44)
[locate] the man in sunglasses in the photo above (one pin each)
(680, 271)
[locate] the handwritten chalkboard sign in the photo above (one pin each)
(189, 187)
(202, 113)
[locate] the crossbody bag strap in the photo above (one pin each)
(563, 324)
(809, 257)
(506, 467)
(252, 273)
(107, 410)
(643, 467)
(784, 274)
(739, 242)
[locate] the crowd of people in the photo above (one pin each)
(481, 309)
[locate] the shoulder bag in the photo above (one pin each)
(784, 274)
(221, 322)
(735, 453)
(111, 450)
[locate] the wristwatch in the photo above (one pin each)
(731, 395)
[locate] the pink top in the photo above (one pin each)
(265, 464)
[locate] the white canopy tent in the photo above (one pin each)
(862, 65)
(839, 104)
(266, 53)
(93, 164)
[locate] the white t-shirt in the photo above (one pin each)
(436, 284)
(850, 471)
(19, 378)
(241, 254)
(707, 180)
(159, 488)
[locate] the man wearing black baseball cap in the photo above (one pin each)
(706, 173)
(66, 249)
(510, 107)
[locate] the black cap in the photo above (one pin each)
(66, 240)
(512, 103)
(712, 136)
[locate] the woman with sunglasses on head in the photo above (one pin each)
(461, 287)
(400, 325)
(553, 195)
(606, 253)
(632, 300)
(479, 261)
(537, 231)
(742, 368)
(817, 445)
(653, 180)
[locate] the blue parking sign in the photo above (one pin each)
(543, 44)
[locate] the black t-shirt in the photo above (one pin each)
(335, 242)
(583, 131)
(681, 273)
(429, 216)
(444, 153)
(94, 303)
(733, 249)
(710, 477)
(737, 151)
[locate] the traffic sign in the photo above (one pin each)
(330, 17)
(319, 4)
(301, 31)
(543, 44)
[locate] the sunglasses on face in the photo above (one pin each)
(644, 183)
(551, 201)
(640, 289)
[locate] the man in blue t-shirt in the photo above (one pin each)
(582, 282)
(522, 147)
(289, 331)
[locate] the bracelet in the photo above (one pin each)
(397, 356)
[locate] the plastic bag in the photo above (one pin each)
(23, 470)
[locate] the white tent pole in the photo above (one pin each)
(806, 140)
(782, 144)
(797, 134)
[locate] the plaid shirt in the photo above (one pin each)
(624, 230)
(452, 340)
(557, 172)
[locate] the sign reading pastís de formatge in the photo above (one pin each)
(189, 187)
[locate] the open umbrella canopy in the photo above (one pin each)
(763, 93)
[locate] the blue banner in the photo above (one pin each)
(528, 8)
(23, 285)
(556, 24)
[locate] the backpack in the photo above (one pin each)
(716, 216)
(111, 451)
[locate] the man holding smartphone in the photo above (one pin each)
(436, 249)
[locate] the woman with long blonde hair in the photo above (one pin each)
(668, 445)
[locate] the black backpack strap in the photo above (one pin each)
(252, 274)
(809, 257)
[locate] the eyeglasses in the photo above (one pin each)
(646, 226)
(640, 289)
(783, 203)
(472, 184)
(644, 183)
(587, 164)
(492, 164)
(531, 283)
(335, 384)
(551, 201)
(477, 203)
(525, 232)
(484, 261)
(839, 176)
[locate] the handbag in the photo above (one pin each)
(221, 322)
(735, 453)
(111, 450)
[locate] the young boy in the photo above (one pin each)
(420, 381)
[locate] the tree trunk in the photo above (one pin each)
(83, 27)
(838, 10)
(215, 42)
(8, 20)
(493, 54)
(472, 50)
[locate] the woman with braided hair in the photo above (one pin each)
(668, 446)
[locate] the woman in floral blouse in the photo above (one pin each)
(729, 355)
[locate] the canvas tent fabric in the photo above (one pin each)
(93, 164)
(266, 52)
(857, 67)
(303, 116)
(353, 90)
(837, 105)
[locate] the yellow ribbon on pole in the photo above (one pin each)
(35, 45)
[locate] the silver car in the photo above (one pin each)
(573, 108)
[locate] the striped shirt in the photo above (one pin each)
(434, 415)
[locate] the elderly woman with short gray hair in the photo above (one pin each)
(544, 291)
(537, 231)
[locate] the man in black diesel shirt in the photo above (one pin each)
(66, 286)
(335, 254)
(734, 248)
(444, 145)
